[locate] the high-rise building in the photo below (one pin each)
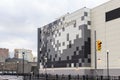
(77, 43)
(4, 54)
(18, 53)
(65, 43)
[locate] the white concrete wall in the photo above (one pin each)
(108, 33)
(65, 71)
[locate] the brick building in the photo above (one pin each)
(4, 54)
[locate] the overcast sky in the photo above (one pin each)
(19, 19)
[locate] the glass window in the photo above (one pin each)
(113, 14)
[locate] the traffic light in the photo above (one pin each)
(99, 45)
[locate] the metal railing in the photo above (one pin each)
(63, 77)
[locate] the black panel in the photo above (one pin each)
(59, 58)
(50, 40)
(85, 14)
(48, 50)
(57, 31)
(55, 22)
(70, 45)
(89, 22)
(63, 29)
(63, 18)
(67, 57)
(83, 60)
(40, 31)
(50, 25)
(63, 43)
(55, 35)
(54, 59)
(74, 64)
(82, 18)
(57, 41)
(55, 55)
(77, 48)
(67, 36)
(70, 42)
(113, 14)
(59, 34)
(80, 65)
(74, 53)
(77, 56)
(75, 25)
(89, 60)
(77, 36)
(59, 44)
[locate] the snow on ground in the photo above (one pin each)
(6, 77)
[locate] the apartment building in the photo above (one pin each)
(4, 54)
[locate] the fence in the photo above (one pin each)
(69, 77)
(64, 77)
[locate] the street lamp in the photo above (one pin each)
(17, 67)
(2, 67)
(23, 53)
(108, 64)
(31, 75)
(45, 67)
(45, 64)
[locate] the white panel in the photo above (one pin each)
(72, 64)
